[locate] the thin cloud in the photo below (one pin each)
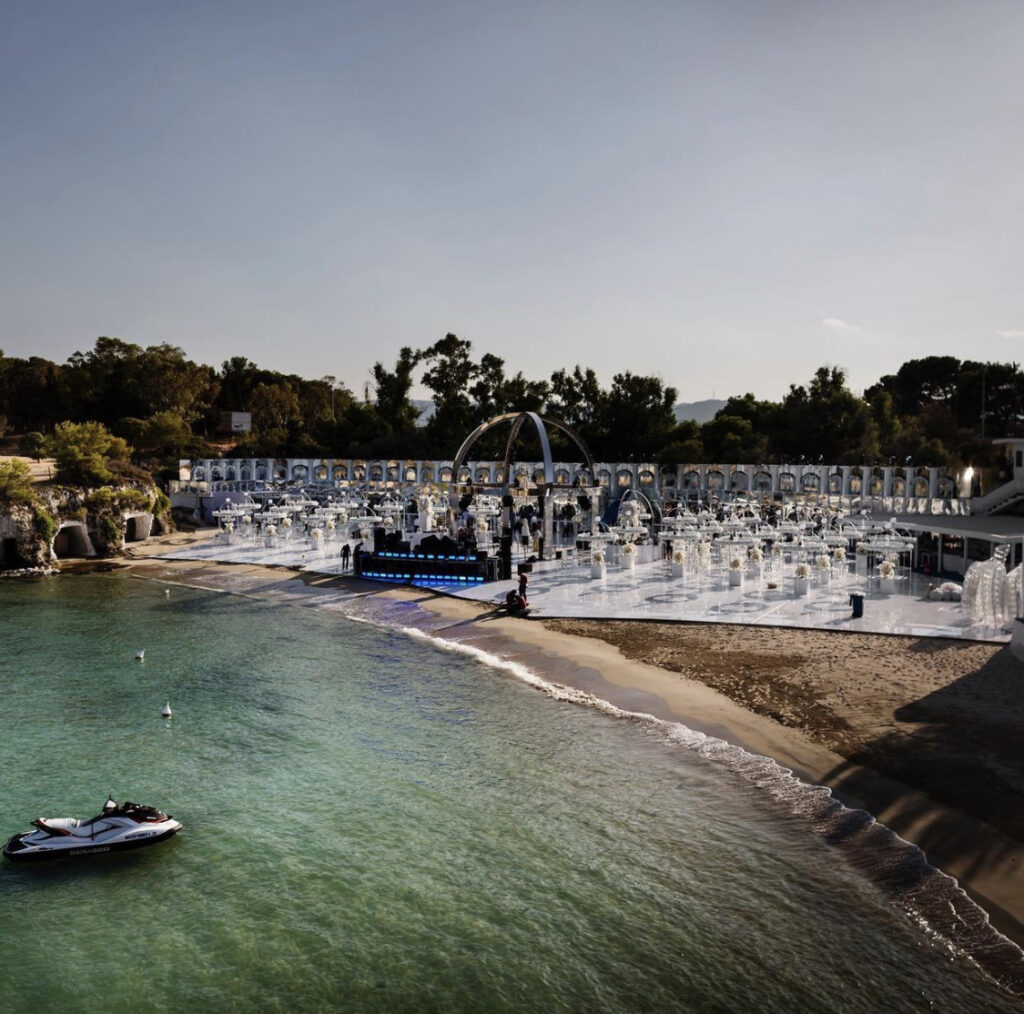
(838, 325)
(1010, 334)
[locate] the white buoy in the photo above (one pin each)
(167, 710)
(141, 654)
(167, 591)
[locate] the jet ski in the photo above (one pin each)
(120, 826)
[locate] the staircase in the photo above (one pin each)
(1001, 499)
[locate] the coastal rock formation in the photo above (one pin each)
(72, 522)
(22, 545)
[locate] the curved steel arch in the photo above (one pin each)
(518, 419)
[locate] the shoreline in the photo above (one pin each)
(987, 863)
(630, 665)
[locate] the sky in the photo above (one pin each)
(724, 194)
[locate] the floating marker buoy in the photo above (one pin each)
(167, 591)
(166, 713)
(141, 654)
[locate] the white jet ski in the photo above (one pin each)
(119, 827)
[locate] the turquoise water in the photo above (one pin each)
(376, 823)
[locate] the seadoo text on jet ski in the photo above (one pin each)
(119, 827)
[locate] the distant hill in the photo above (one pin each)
(425, 407)
(698, 411)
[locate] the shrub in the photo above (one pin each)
(84, 452)
(31, 444)
(15, 483)
(45, 524)
(111, 528)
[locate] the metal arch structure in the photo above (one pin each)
(518, 420)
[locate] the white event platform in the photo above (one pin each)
(565, 589)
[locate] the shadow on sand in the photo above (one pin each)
(959, 746)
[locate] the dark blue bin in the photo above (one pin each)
(857, 601)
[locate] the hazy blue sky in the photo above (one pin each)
(726, 194)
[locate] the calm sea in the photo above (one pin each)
(378, 822)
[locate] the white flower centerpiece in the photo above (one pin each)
(861, 561)
(887, 577)
(270, 532)
(735, 572)
(704, 555)
(801, 578)
(597, 563)
(755, 558)
(824, 563)
(629, 556)
(678, 562)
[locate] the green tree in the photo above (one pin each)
(919, 382)
(15, 483)
(101, 381)
(32, 393)
(637, 419)
(990, 397)
(732, 438)
(164, 435)
(87, 453)
(32, 444)
(391, 392)
(576, 398)
(237, 378)
(685, 445)
(273, 406)
(450, 374)
(163, 380)
(826, 421)
(882, 406)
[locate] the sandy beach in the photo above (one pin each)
(920, 732)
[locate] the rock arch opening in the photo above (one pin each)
(10, 555)
(72, 540)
